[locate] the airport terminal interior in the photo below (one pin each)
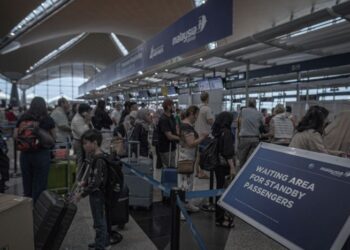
(180, 98)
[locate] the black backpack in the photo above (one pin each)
(115, 178)
(209, 157)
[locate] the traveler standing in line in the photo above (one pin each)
(94, 186)
(59, 115)
(10, 115)
(188, 149)
(117, 113)
(81, 122)
(310, 130)
(140, 131)
(222, 131)
(337, 133)
(281, 127)
(167, 136)
(203, 126)
(102, 122)
(250, 121)
(35, 164)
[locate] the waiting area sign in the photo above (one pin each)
(299, 198)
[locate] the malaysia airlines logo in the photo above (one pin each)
(190, 34)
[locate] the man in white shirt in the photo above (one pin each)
(249, 122)
(81, 122)
(117, 113)
(59, 115)
(203, 125)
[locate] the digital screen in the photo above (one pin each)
(171, 90)
(216, 83)
(203, 85)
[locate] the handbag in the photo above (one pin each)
(46, 140)
(185, 167)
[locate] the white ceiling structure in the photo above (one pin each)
(266, 34)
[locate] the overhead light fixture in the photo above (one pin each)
(140, 72)
(201, 59)
(101, 87)
(119, 44)
(10, 47)
(166, 70)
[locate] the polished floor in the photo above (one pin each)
(150, 229)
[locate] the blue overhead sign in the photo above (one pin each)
(297, 197)
(210, 22)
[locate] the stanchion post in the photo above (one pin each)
(211, 186)
(175, 218)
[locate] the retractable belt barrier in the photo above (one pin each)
(190, 224)
(179, 203)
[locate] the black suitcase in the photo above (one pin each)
(120, 209)
(53, 216)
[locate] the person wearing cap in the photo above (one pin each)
(167, 135)
(81, 122)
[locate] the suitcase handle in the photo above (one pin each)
(130, 143)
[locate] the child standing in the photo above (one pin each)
(94, 186)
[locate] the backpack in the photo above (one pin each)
(115, 177)
(27, 139)
(209, 158)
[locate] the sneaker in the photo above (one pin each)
(182, 217)
(115, 238)
(191, 208)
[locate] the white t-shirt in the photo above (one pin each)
(61, 119)
(202, 125)
(115, 116)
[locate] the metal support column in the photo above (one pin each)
(247, 83)
(298, 87)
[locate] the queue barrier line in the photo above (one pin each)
(190, 224)
(152, 181)
(188, 195)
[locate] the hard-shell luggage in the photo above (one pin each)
(168, 179)
(62, 176)
(53, 216)
(140, 191)
(120, 209)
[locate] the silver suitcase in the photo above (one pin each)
(140, 191)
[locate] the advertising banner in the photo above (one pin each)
(209, 22)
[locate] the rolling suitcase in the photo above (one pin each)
(53, 216)
(140, 191)
(120, 209)
(168, 177)
(62, 176)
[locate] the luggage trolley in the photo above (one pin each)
(62, 172)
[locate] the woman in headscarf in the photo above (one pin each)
(310, 130)
(221, 130)
(337, 133)
(141, 129)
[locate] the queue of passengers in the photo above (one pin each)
(188, 131)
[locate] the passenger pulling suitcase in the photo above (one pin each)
(53, 216)
(140, 191)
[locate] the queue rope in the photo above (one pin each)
(190, 224)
